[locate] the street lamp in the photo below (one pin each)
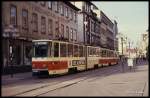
(85, 43)
(85, 24)
(119, 35)
(11, 32)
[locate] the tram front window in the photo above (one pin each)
(41, 50)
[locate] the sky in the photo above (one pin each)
(132, 17)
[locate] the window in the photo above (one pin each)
(75, 17)
(13, 15)
(75, 35)
(61, 9)
(50, 4)
(75, 52)
(56, 6)
(62, 30)
(35, 22)
(56, 49)
(104, 53)
(63, 50)
(43, 25)
(50, 49)
(57, 29)
(43, 3)
(100, 53)
(70, 50)
(67, 32)
(25, 19)
(69, 13)
(66, 12)
(72, 14)
(81, 52)
(71, 34)
(41, 50)
(50, 27)
(97, 51)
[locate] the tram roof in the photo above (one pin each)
(41, 40)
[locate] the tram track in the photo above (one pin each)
(82, 77)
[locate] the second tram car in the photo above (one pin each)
(57, 57)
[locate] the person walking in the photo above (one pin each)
(130, 63)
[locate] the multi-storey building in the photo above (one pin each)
(143, 45)
(88, 23)
(106, 31)
(35, 20)
(115, 28)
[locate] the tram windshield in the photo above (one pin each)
(41, 49)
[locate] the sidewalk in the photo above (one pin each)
(129, 83)
(7, 79)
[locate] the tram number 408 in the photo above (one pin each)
(78, 62)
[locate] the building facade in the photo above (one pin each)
(88, 23)
(107, 32)
(143, 50)
(115, 29)
(55, 20)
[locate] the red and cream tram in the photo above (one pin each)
(57, 57)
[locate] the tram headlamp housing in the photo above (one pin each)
(44, 65)
(33, 65)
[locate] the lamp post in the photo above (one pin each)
(119, 35)
(85, 24)
(11, 32)
(85, 43)
(122, 45)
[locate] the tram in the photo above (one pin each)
(58, 57)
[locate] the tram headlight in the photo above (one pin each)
(44, 65)
(33, 65)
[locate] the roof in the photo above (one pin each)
(71, 5)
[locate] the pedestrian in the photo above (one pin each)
(122, 62)
(130, 62)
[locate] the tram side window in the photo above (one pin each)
(108, 53)
(70, 50)
(50, 49)
(76, 52)
(100, 53)
(115, 54)
(94, 51)
(56, 49)
(91, 51)
(63, 50)
(104, 53)
(112, 54)
(97, 52)
(81, 53)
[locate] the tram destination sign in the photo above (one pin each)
(78, 62)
